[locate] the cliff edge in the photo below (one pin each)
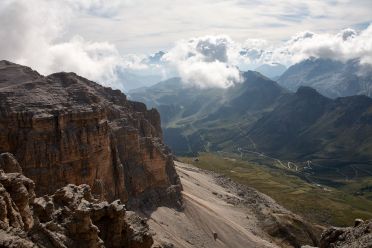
(64, 129)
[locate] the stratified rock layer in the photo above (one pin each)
(66, 129)
(71, 217)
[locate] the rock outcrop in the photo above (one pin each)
(16, 194)
(71, 217)
(64, 129)
(359, 236)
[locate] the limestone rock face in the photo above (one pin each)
(72, 217)
(66, 129)
(359, 236)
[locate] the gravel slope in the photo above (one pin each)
(208, 220)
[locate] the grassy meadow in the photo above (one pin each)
(317, 203)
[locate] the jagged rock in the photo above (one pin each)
(73, 212)
(72, 217)
(16, 194)
(66, 129)
(350, 237)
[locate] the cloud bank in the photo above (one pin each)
(204, 61)
(32, 33)
(215, 61)
(345, 45)
(37, 33)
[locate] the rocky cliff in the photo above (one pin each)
(64, 129)
(71, 217)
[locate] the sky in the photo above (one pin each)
(206, 41)
(137, 26)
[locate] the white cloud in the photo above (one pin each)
(212, 61)
(93, 60)
(32, 34)
(345, 45)
(342, 46)
(135, 61)
(103, 8)
(204, 61)
(145, 26)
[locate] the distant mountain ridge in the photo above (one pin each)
(272, 71)
(307, 125)
(260, 115)
(186, 112)
(330, 77)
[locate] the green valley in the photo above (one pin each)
(322, 204)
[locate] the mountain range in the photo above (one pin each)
(69, 146)
(83, 166)
(331, 78)
(272, 70)
(260, 116)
